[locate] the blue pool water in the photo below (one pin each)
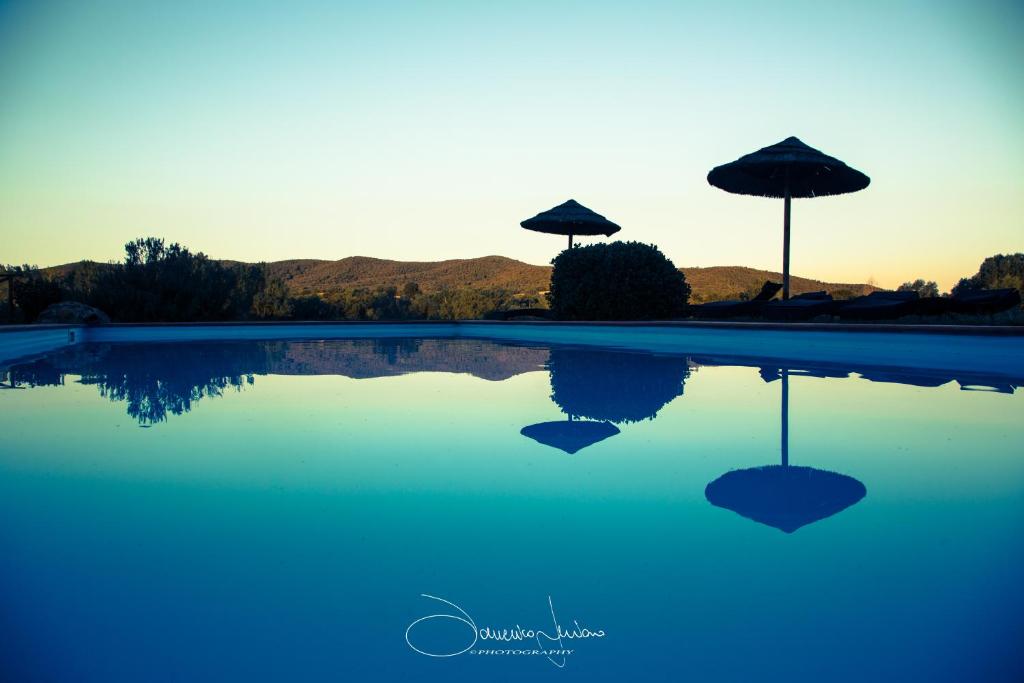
(278, 511)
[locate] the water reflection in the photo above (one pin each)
(615, 386)
(604, 387)
(570, 435)
(784, 496)
(157, 380)
(598, 390)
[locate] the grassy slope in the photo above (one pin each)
(728, 282)
(313, 276)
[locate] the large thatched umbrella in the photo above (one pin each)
(571, 218)
(788, 169)
(784, 496)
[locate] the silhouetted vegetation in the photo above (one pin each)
(272, 302)
(33, 292)
(168, 283)
(996, 272)
(158, 282)
(617, 281)
(922, 287)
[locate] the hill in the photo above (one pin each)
(315, 276)
(730, 282)
(487, 272)
(499, 272)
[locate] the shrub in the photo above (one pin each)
(617, 281)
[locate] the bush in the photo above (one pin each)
(617, 281)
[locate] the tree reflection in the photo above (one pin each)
(605, 386)
(615, 386)
(156, 380)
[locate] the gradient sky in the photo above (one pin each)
(428, 130)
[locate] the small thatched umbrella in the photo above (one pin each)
(571, 218)
(788, 169)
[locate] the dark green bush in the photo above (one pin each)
(617, 281)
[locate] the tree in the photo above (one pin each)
(923, 289)
(617, 281)
(272, 301)
(33, 291)
(168, 283)
(996, 272)
(411, 290)
(312, 307)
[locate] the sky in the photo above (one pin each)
(428, 130)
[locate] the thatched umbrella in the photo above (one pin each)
(788, 169)
(784, 496)
(571, 218)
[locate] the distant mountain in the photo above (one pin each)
(314, 276)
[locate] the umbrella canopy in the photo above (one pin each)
(811, 173)
(570, 435)
(571, 218)
(786, 170)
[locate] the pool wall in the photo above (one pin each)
(996, 351)
(24, 340)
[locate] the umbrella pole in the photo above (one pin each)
(785, 245)
(785, 418)
(570, 240)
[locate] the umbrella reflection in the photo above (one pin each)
(606, 387)
(784, 496)
(570, 435)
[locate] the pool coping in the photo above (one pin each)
(975, 330)
(996, 350)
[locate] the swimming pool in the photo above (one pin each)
(426, 503)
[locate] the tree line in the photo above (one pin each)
(161, 282)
